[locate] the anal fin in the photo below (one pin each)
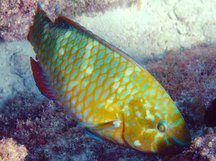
(42, 81)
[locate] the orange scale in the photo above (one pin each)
(131, 88)
(125, 82)
(53, 73)
(108, 70)
(91, 57)
(85, 88)
(100, 115)
(70, 51)
(77, 43)
(105, 58)
(46, 39)
(58, 75)
(64, 47)
(109, 87)
(82, 46)
(86, 44)
(91, 51)
(66, 68)
(78, 52)
(48, 43)
(61, 65)
(67, 90)
(70, 58)
(127, 98)
(103, 82)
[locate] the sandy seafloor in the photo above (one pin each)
(174, 40)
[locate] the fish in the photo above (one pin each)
(112, 96)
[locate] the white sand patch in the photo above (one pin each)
(154, 27)
(15, 70)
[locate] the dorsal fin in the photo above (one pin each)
(41, 80)
(64, 22)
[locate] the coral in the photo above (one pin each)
(10, 151)
(202, 148)
(15, 18)
(205, 147)
(210, 119)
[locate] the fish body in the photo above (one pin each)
(110, 93)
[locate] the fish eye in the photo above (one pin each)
(162, 126)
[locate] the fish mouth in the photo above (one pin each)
(175, 142)
(179, 142)
(173, 145)
(180, 135)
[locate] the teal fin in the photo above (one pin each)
(94, 136)
(102, 126)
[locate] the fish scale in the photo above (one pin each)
(110, 93)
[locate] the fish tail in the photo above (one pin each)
(39, 6)
(40, 23)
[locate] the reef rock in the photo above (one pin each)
(10, 151)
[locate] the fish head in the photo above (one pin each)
(155, 127)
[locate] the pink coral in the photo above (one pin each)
(10, 151)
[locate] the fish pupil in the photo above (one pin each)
(161, 126)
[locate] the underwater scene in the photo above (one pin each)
(107, 80)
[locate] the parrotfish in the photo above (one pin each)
(112, 95)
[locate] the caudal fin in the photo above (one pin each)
(40, 20)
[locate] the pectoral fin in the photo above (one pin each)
(92, 135)
(102, 126)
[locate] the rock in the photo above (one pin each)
(202, 148)
(16, 16)
(209, 31)
(10, 151)
(16, 75)
(210, 119)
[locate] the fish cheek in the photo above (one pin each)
(152, 139)
(136, 135)
(148, 140)
(132, 133)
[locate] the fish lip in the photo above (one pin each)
(178, 142)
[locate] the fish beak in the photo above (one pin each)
(181, 137)
(179, 142)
